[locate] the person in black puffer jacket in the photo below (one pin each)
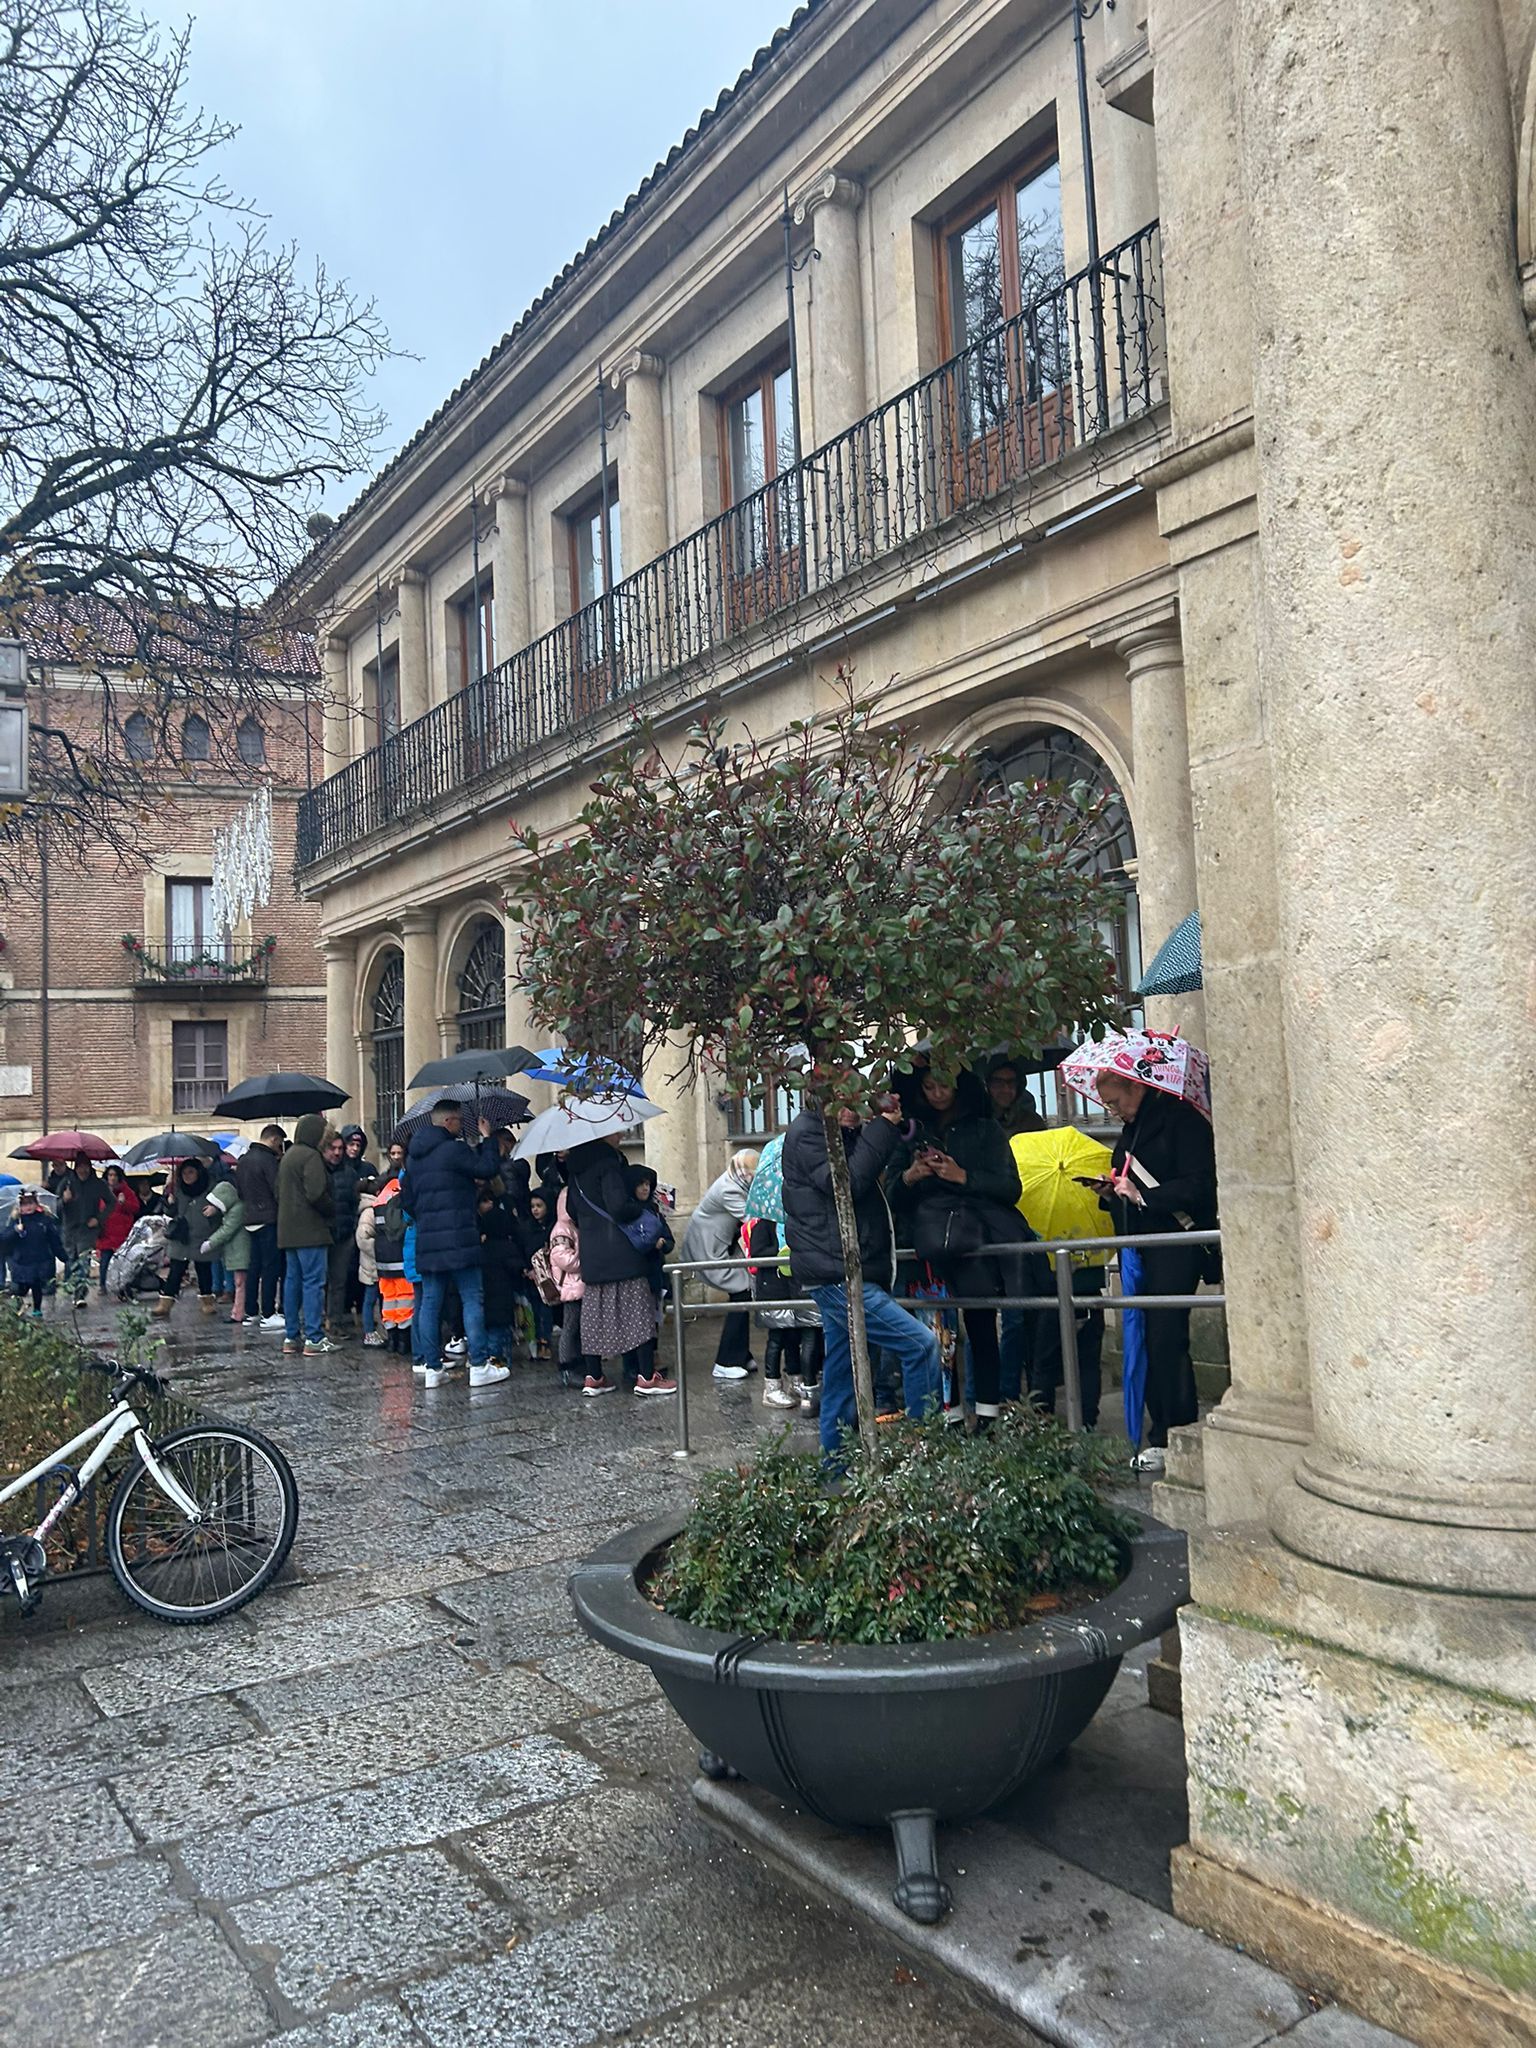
(957, 1190)
(618, 1309)
(439, 1193)
(351, 1176)
(816, 1261)
(185, 1197)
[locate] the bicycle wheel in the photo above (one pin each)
(196, 1571)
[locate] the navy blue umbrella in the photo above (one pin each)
(1175, 969)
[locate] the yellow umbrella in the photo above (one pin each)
(1052, 1203)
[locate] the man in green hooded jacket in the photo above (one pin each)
(304, 1237)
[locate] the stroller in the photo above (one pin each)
(142, 1255)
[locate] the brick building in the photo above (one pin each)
(121, 1008)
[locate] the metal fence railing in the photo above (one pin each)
(1059, 1251)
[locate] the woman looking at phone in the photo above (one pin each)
(957, 1192)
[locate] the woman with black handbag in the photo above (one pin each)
(956, 1194)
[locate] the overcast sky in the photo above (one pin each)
(450, 158)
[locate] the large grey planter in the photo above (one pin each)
(901, 1736)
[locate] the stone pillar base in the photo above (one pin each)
(1251, 1445)
(1362, 1786)
(1359, 1966)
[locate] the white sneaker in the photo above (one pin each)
(434, 1375)
(270, 1323)
(418, 1368)
(1150, 1460)
(732, 1372)
(488, 1375)
(777, 1395)
(456, 1347)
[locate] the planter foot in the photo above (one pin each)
(716, 1768)
(920, 1892)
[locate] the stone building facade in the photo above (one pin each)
(1241, 518)
(122, 1010)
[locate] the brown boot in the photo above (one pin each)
(208, 1303)
(164, 1306)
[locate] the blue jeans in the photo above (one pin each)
(470, 1282)
(304, 1287)
(889, 1326)
(499, 1340)
(370, 1308)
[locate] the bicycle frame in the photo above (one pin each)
(113, 1428)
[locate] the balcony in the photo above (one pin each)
(197, 969)
(1080, 363)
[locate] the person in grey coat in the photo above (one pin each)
(714, 1232)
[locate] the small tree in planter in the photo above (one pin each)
(808, 909)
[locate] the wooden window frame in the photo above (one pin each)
(463, 608)
(1033, 432)
(591, 680)
(201, 1084)
(1000, 196)
(765, 586)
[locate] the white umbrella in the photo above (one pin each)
(570, 1124)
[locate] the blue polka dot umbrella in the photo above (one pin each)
(765, 1196)
(1175, 969)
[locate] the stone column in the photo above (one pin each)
(418, 944)
(1165, 827)
(676, 1144)
(342, 1063)
(412, 591)
(642, 462)
(836, 304)
(1397, 501)
(336, 718)
(509, 566)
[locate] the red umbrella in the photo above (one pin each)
(70, 1145)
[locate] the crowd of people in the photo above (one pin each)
(456, 1249)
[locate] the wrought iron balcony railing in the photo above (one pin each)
(1081, 361)
(203, 965)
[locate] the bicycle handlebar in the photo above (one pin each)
(125, 1377)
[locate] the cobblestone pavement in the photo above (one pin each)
(401, 1799)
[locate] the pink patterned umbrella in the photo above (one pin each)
(1154, 1058)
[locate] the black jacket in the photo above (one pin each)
(504, 1256)
(810, 1219)
(348, 1177)
(439, 1193)
(1176, 1145)
(598, 1178)
(256, 1184)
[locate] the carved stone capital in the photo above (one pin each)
(830, 189)
(636, 364)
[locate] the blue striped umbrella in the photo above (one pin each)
(1176, 969)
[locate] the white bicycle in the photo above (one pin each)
(200, 1522)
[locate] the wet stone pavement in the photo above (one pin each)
(401, 1799)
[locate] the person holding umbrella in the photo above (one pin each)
(32, 1249)
(256, 1185)
(439, 1194)
(1162, 1178)
(83, 1203)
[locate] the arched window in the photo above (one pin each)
(138, 738)
(196, 739)
(388, 1037)
(483, 992)
(251, 742)
(1066, 760)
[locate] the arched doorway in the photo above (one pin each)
(387, 1039)
(482, 984)
(1056, 756)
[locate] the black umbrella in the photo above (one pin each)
(481, 1063)
(280, 1095)
(166, 1147)
(497, 1105)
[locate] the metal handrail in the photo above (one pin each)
(1008, 405)
(1058, 1249)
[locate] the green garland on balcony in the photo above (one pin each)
(228, 969)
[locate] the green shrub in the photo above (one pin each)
(951, 1535)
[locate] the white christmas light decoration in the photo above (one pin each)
(242, 863)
